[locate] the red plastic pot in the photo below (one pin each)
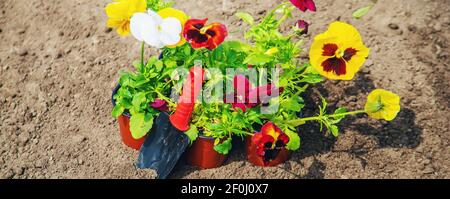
(282, 156)
(124, 127)
(202, 154)
(125, 133)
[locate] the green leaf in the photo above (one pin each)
(296, 123)
(361, 12)
(312, 78)
(170, 63)
(339, 118)
(137, 65)
(284, 82)
(158, 5)
(151, 62)
(257, 59)
(246, 17)
(159, 66)
(324, 106)
(139, 99)
(334, 130)
(224, 148)
(292, 104)
(124, 92)
(140, 124)
(125, 102)
(187, 50)
(192, 133)
(125, 80)
(117, 111)
(294, 141)
(236, 46)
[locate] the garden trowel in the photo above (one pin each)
(167, 141)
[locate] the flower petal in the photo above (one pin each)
(116, 10)
(382, 104)
(137, 22)
(120, 12)
(171, 25)
(218, 32)
(283, 138)
(150, 34)
(170, 31)
(270, 129)
(310, 5)
(171, 12)
(156, 18)
(241, 106)
(256, 137)
(338, 53)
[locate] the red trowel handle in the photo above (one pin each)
(191, 89)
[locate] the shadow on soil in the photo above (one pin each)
(400, 133)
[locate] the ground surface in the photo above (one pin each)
(58, 65)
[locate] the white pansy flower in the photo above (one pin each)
(154, 30)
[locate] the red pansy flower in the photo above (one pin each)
(304, 5)
(245, 96)
(269, 141)
(303, 26)
(160, 104)
(199, 36)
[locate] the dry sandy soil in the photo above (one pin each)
(58, 65)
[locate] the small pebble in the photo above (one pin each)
(437, 27)
(18, 170)
(412, 28)
(22, 31)
(59, 54)
(108, 30)
(22, 52)
(428, 170)
(393, 26)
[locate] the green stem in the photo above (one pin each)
(333, 116)
(187, 63)
(284, 17)
(142, 56)
(348, 113)
(161, 96)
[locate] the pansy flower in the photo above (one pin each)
(304, 5)
(382, 104)
(246, 96)
(302, 27)
(120, 12)
(155, 30)
(339, 52)
(200, 36)
(242, 88)
(178, 14)
(160, 105)
(269, 141)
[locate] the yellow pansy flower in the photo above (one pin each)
(120, 13)
(339, 52)
(178, 14)
(382, 104)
